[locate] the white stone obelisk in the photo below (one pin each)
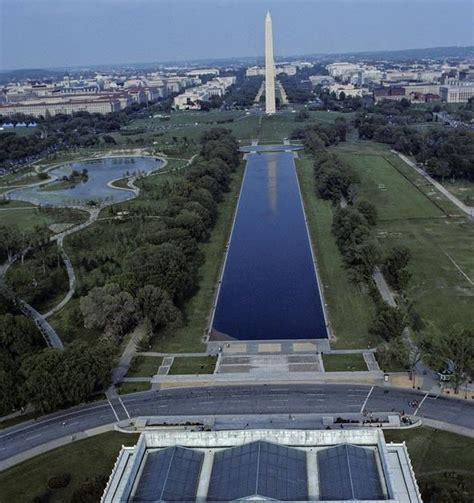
(270, 106)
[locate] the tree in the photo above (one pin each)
(164, 266)
(156, 306)
(109, 308)
(54, 378)
(454, 349)
(43, 384)
(395, 266)
(369, 211)
(388, 322)
(393, 353)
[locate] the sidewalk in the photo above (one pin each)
(367, 377)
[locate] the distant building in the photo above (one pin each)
(203, 71)
(457, 94)
(421, 88)
(191, 98)
(389, 93)
(278, 465)
(55, 107)
(321, 80)
(342, 69)
(347, 89)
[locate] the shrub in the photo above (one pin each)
(90, 491)
(59, 481)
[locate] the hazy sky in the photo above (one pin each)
(50, 33)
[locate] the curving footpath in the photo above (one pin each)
(50, 335)
(285, 405)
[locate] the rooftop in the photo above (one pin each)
(279, 465)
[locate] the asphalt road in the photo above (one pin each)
(237, 401)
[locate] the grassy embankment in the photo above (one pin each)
(413, 214)
(438, 458)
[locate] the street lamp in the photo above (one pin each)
(414, 378)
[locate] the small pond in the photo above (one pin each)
(92, 186)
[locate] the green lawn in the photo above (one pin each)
(441, 293)
(354, 148)
(395, 196)
(85, 459)
(144, 366)
(349, 308)
(32, 217)
(133, 387)
(439, 458)
(188, 337)
(344, 362)
(193, 365)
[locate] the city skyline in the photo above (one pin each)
(148, 31)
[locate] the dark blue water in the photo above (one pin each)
(269, 288)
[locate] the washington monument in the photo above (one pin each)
(270, 107)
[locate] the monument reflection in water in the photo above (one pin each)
(269, 288)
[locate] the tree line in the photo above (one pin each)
(443, 152)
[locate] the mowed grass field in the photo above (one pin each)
(349, 307)
(26, 216)
(440, 241)
(83, 460)
(394, 195)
